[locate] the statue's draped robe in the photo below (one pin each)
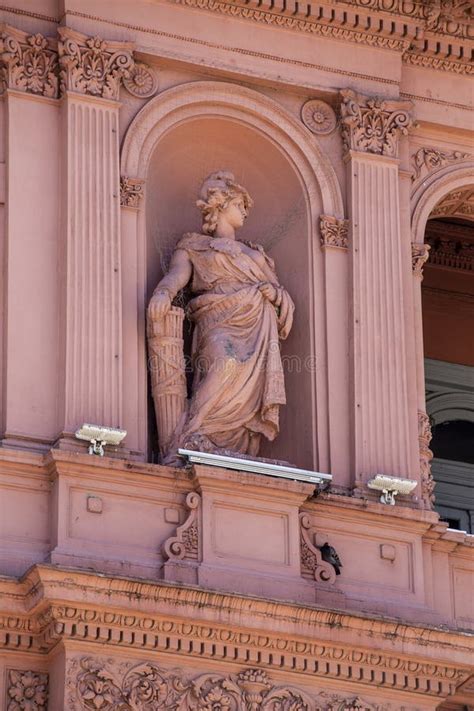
(238, 376)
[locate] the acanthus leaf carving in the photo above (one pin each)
(28, 62)
(27, 690)
(428, 159)
(131, 191)
(419, 255)
(373, 125)
(333, 232)
(90, 65)
(95, 683)
(185, 544)
(313, 566)
(426, 455)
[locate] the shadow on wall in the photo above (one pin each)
(279, 221)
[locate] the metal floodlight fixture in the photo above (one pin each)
(390, 486)
(99, 437)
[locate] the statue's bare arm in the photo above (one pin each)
(178, 276)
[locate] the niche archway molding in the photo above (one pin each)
(320, 187)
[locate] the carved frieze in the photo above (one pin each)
(452, 17)
(419, 255)
(94, 683)
(452, 253)
(427, 483)
(333, 232)
(26, 691)
(319, 117)
(131, 191)
(425, 160)
(313, 566)
(141, 81)
(373, 125)
(90, 65)
(28, 62)
(185, 544)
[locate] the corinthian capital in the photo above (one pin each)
(28, 62)
(419, 255)
(90, 65)
(373, 125)
(333, 232)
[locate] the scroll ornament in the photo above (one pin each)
(333, 232)
(419, 255)
(28, 63)
(426, 160)
(373, 125)
(426, 455)
(313, 566)
(94, 683)
(90, 65)
(27, 691)
(185, 544)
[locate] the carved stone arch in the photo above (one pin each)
(320, 191)
(435, 187)
(233, 101)
(446, 407)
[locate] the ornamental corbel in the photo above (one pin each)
(419, 255)
(427, 483)
(91, 65)
(28, 63)
(333, 232)
(373, 125)
(131, 191)
(313, 567)
(185, 545)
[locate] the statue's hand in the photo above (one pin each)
(268, 291)
(159, 305)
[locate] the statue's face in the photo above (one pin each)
(235, 213)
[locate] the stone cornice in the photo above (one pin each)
(206, 624)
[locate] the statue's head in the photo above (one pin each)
(221, 194)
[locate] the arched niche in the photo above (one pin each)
(173, 144)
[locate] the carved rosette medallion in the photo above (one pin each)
(141, 81)
(419, 255)
(185, 544)
(95, 683)
(426, 160)
(28, 63)
(27, 691)
(426, 455)
(373, 125)
(131, 191)
(313, 567)
(319, 117)
(90, 65)
(333, 232)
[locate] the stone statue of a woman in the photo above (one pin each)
(239, 311)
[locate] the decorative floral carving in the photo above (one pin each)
(419, 255)
(333, 232)
(427, 159)
(453, 17)
(319, 117)
(457, 203)
(373, 125)
(28, 62)
(94, 683)
(429, 61)
(313, 566)
(141, 81)
(185, 544)
(131, 191)
(90, 65)
(426, 455)
(27, 691)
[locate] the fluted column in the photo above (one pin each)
(90, 74)
(384, 431)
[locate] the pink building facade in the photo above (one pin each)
(130, 585)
